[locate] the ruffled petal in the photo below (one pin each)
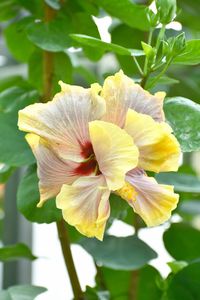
(114, 150)
(159, 150)
(52, 171)
(121, 93)
(63, 122)
(153, 202)
(85, 205)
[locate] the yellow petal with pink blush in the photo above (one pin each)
(114, 150)
(121, 93)
(52, 171)
(63, 122)
(153, 202)
(159, 150)
(85, 205)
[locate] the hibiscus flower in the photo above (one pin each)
(91, 142)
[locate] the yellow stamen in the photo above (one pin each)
(127, 192)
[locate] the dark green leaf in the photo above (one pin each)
(19, 154)
(15, 35)
(52, 36)
(119, 283)
(184, 115)
(182, 241)
(185, 284)
(8, 9)
(15, 252)
(121, 36)
(34, 6)
(83, 23)
(5, 172)
(182, 182)
(89, 6)
(119, 253)
(28, 198)
(55, 4)
(15, 98)
(130, 13)
(94, 42)
(62, 70)
(190, 55)
(164, 80)
(10, 81)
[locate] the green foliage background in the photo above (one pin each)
(165, 60)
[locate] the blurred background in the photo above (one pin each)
(49, 269)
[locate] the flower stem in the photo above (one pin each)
(67, 255)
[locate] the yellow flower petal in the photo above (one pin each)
(153, 202)
(52, 171)
(85, 205)
(159, 150)
(63, 122)
(114, 150)
(121, 93)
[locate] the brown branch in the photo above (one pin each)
(48, 71)
(48, 59)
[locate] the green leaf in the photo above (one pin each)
(4, 295)
(15, 98)
(93, 294)
(185, 284)
(14, 151)
(183, 115)
(166, 10)
(119, 283)
(182, 241)
(94, 42)
(15, 252)
(182, 182)
(55, 4)
(34, 6)
(191, 207)
(28, 198)
(25, 292)
(130, 13)
(52, 36)
(119, 253)
(190, 55)
(177, 266)
(15, 35)
(121, 36)
(5, 172)
(8, 9)
(10, 81)
(83, 23)
(62, 70)
(89, 6)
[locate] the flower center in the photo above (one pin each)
(89, 165)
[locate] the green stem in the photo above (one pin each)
(146, 72)
(146, 59)
(160, 74)
(138, 66)
(67, 255)
(160, 36)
